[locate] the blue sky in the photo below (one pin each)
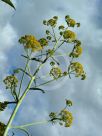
(86, 95)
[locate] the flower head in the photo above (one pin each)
(70, 22)
(55, 72)
(30, 42)
(68, 34)
(43, 42)
(76, 52)
(52, 22)
(78, 69)
(66, 117)
(10, 82)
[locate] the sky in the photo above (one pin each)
(86, 95)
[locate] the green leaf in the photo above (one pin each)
(9, 3)
(37, 89)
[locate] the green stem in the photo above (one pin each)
(54, 34)
(45, 83)
(31, 124)
(17, 106)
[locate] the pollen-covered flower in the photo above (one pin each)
(43, 42)
(55, 72)
(2, 128)
(10, 82)
(78, 69)
(76, 52)
(66, 117)
(71, 22)
(30, 42)
(52, 22)
(68, 34)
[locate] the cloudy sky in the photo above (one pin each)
(86, 95)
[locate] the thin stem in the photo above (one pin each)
(25, 71)
(31, 124)
(54, 34)
(55, 60)
(59, 45)
(48, 82)
(23, 77)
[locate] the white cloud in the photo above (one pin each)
(86, 95)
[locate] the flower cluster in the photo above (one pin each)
(30, 42)
(3, 105)
(51, 22)
(56, 72)
(78, 69)
(77, 51)
(10, 82)
(2, 128)
(69, 35)
(66, 117)
(71, 22)
(43, 42)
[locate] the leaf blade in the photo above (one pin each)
(9, 3)
(37, 89)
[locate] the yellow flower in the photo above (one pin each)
(66, 117)
(68, 34)
(71, 22)
(30, 42)
(52, 22)
(10, 82)
(78, 69)
(56, 72)
(76, 52)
